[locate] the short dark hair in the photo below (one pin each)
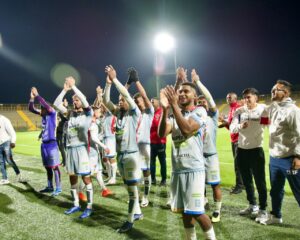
(192, 85)
(252, 91)
(286, 84)
(137, 95)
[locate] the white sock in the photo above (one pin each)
(147, 185)
(74, 195)
(114, 170)
(134, 206)
(89, 195)
(81, 186)
(210, 234)
(100, 180)
(108, 168)
(218, 206)
(190, 233)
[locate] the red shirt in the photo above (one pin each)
(154, 138)
(233, 106)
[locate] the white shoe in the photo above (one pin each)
(4, 181)
(251, 210)
(262, 216)
(111, 182)
(145, 202)
(20, 178)
(272, 220)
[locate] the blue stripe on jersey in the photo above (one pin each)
(194, 212)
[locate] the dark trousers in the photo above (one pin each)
(61, 146)
(158, 150)
(279, 171)
(251, 162)
(238, 176)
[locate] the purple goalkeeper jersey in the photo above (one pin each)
(48, 121)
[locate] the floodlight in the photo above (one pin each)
(164, 42)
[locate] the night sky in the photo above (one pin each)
(232, 44)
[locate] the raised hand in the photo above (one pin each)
(99, 90)
(111, 73)
(171, 95)
(163, 99)
(34, 92)
(70, 81)
(181, 74)
(132, 75)
(195, 77)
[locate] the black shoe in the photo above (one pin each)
(163, 184)
(236, 190)
(153, 182)
(127, 226)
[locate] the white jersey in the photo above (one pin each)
(126, 130)
(77, 128)
(210, 139)
(143, 135)
(251, 136)
(187, 153)
(109, 125)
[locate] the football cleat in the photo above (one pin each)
(127, 226)
(137, 216)
(145, 202)
(72, 210)
(47, 190)
(86, 213)
(56, 192)
(216, 217)
(106, 193)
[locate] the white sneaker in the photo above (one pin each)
(4, 181)
(272, 220)
(262, 216)
(145, 202)
(111, 182)
(251, 210)
(20, 178)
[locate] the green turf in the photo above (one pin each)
(27, 214)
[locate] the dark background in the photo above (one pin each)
(232, 44)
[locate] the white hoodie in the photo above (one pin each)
(7, 132)
(284, 129)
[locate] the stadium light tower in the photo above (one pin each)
(163, 44)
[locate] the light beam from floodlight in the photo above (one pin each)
(164, 42)
(1, 43)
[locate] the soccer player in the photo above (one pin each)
(7, 142)
(158, 146)
(212, 166)
(284, 130)
(143, 135)
(127, 114)
(49, 147)
(77, 161)
(108, 123)
(250, 154)
(60, 135)
(187, 126)
(96, 166)
(232, 101)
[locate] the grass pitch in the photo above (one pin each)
(27, 214)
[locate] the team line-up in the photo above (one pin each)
(128, 136)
